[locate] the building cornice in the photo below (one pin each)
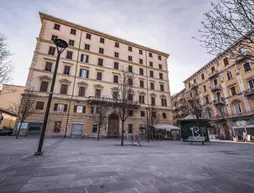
(82, 28)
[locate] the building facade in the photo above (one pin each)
(224, 88)
(90, 67)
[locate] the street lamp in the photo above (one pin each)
(60, 45)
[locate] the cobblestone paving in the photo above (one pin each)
(88, 166)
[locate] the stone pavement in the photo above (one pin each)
(88, 166)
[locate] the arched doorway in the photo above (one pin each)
(113, 125)
(226, 130)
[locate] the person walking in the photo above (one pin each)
(1, 117)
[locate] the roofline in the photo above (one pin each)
(13, 85)
(58, 20)
(7, 112)
(218, 55)
(181, 91)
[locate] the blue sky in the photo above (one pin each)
(166, 25)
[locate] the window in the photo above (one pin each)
(83, 73)
(60, 107)
(73, 31)
(141, 71)
(164, 115)
(222, 111)
(116, 44)
(115, 95)
(151, 64)
(130, 128)
(247, 67)
(152, 85)
(84, 58)
(150, 55)
(142, 113)
(190, 94)
(141, 52)
(251, 84)
(212, 69)
(64, 89)
(225, 61)
(163, 102)
(99, 75)
(160, 66)
(206, 100)
(88, 36)
(57, 127)
(189, 84)
(130, 97)
(67, 70)
(202, 76)
(130, 58)
(57, 26)
(102, 40)
(229, 75)
(44, 86)
(141, 83)
(81, 91)
(130, 81)
(162, 87)
(152, 100)
(48, 66)
(97, 93)
(140, 61)
(215, 81)
(87, 47)
(52, 50)
(153, 114)
(95, 110)
(161, 75)
(130, 113)
(39, 105)
(53, 37)
(116, 54)
(151, 73)
(130, 49)
(141, 99)
(101, 51)
(238, 108)
(115, 79)
(233, 91)
(195, 81)
(100, 62)
(79, 109)
(71, 42)
(159, 57)
(116, 65)
(94, 129)
(69, 55)
(204, 87)
(130, 68)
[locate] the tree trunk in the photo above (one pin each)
(98, 135)
(17, 136)
(122, 137)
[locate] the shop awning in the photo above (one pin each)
(241, 127)
(168, 127)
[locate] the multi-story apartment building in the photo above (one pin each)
(90, 67)
(224, 88)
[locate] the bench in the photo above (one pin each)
(192, 139)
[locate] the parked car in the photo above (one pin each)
(6, 131)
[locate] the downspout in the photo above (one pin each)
(74, 83)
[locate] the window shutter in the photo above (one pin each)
(87, 59)
(84, 109)
(75, 108)
(55, 107)
(82, 57)
(65, 108)
(87, 76)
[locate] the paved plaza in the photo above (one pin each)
(88, 166)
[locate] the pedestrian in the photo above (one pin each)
(1, 117)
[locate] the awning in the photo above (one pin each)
(241, 127)
(168, 127)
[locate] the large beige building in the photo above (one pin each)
(90, 67)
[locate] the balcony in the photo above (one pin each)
(241, 58)
(115, 102)
(212, 74)
(189, 98)
(194, 86)
(249, 92)
(220, 101)
(215, 88)
(180, 98)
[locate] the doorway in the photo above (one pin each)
(226, 130)
(77, 130)
(113, 125)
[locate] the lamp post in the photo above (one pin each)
(60, 45)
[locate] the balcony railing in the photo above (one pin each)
(194, 86)
(249, 92)
(213, 74)
(215, 88)
(220, 101)
(241, 58)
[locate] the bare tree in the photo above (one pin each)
(126, 100)
(193, 106)
(229, 25)
(25, 107)
(100, 116)
(5, 65)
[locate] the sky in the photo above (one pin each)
(165, 25)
